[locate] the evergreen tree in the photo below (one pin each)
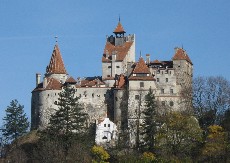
(149, 124)
(68, 122)
(15, 122)
(69, 118)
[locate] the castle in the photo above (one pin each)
(118, 95)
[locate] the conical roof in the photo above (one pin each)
(119, 28)
(56, 65)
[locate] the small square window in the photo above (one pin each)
(171, 91)
(162, 91)
(158, 80)
(108, 75)
(118, 66)
(104, 125)
(166, 79)
(108, 125)
(163, 103)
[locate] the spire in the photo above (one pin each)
(56, 65)
(119, 29)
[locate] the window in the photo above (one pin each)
(166, 80)
(118, 66)
(104, 125)
(136, 97)
(162, 72)
(108, 75)
(141, 84)
(115, 98)
(109, 66)
(171, 91)
(163, 103)
(158, 80)
(92, 94)
(55, 102)
(171, 103)
(162, 91)
(108, 125)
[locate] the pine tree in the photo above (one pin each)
(69, 120)
(149, 124)
(15, 122)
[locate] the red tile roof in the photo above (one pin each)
(121, 51)
(141, 67)
(56, 65)
(181, 55)
(53, 84)
(156, 61)
(71, 80)
(91, 83)
(119, 28)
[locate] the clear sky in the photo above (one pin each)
(28, 28)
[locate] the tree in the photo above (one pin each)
(69, 121)
(15, 122)
(215, 147)
(210, 99)
(179, 135)
(149, 124)
(100, 154)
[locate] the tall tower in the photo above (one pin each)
(119, 52)
(45, 95)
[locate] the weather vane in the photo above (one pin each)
(56, 38)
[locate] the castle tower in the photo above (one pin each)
(140, 81)
(119, 53)
(45, 95)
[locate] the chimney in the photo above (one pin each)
(114, 55)
(106, 54)
(148, 58)
(38, 78)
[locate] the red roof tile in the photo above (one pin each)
(156, 61)
(181, 55)
(141, 67)
(91, 83)
(71, 80)
(56, 65)
(119, 28)
(121, 51)
(53, 84)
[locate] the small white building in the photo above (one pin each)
(106, 132)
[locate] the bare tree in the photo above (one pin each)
(211, 98)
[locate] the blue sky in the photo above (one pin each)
(28, 28)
